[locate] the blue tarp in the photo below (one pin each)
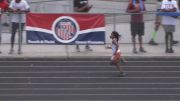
(168, 13)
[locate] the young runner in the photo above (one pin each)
(116, 53)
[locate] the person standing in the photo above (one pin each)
(18, 9)
(169, 23)
(82, 6)
(137, 23)
(157, 24)
(3, 7)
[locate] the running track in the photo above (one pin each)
(89, 80)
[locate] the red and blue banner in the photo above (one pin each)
(65, 28)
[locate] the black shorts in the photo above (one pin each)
(137, 28)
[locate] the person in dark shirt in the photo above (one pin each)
(137, 23)
(82, 6)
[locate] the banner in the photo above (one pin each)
(65, 28)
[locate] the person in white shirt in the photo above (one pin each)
(19, 8)
(169, 23)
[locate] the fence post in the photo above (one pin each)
(67, 52)
(10, 27)
(71, 5)
(20, 34)
(114, 21)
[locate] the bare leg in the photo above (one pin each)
(140, 41)
(87, 47)
(77, 48)
(141, 49)
(120, 69)
(134, 44)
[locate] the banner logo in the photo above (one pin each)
(65, 29)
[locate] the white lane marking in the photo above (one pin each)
(89, 88)
(82, 94)
(51, 66)
(104, 83)
(43, 72)
(85, 61)
(108, 77)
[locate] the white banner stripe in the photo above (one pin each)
(92, 30)
(28, 28)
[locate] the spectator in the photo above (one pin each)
(137, 23)
(82, 6)
(157, 24)
(4, 4)
(169, 23)
(3, 7)
(17, 6)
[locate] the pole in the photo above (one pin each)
(67, 52)
(20, 34)
(71, 5)
(114, 21)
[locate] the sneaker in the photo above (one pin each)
(5, 24)
(142, 50)
(108, 47)
(169, 51)
(135, 51)
(19, 52)
(77, 50)
(88, 49)
(175, 42)
(11, 51)
(152, 42)
(122, 74)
